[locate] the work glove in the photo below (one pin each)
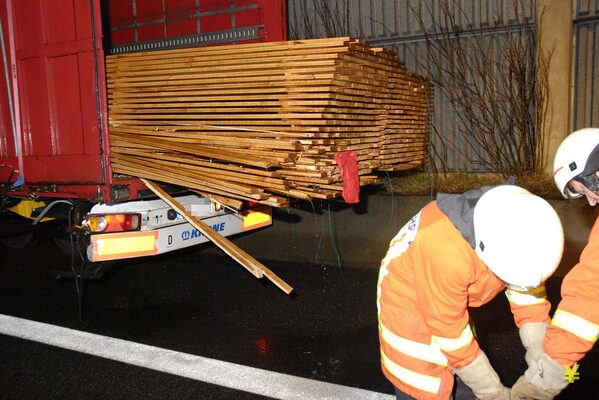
(480, 376)
(532, 335)
(543, 380)
(524, 390)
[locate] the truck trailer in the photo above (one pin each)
(54, 143)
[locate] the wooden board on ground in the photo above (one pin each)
(248, 262)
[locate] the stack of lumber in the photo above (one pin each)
(264, 121)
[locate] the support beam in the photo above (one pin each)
(556, 38)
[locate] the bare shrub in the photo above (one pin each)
(496, 80)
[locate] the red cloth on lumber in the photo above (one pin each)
(348, 168)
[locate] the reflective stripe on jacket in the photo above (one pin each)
(427, 280)
(529, 306)
(575, 325)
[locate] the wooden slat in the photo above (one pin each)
(233, 204)
(247, 261)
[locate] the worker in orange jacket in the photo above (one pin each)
(460, 251)
(575, 325)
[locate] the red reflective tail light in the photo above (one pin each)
(113, 223)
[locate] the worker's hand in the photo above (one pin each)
(483, 380)
(543, 380)
(532, 335)
(504, 394)
(524, 390)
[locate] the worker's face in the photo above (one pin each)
(592, 197)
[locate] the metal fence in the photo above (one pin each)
(394, 24)
(586, 64)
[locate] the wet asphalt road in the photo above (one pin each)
(201, 302)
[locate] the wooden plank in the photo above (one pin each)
(212, 139)
(203, 151)
(247, 261)
(215, 176)
(142, 168)
(232, 204)
(191, 54)
(292, 58)
(266, 199)
(195, 161)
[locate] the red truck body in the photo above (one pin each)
(53, 104)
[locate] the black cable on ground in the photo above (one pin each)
(333, 240)
(392, 212)
(75, 240)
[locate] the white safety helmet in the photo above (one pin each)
(518, 235)
(572, 159)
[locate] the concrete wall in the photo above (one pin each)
(359, 236)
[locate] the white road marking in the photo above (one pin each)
(234, 376)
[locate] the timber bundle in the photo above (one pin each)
(264, 121)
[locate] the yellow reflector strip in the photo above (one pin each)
(253, 219)
(531, 297)
(574, 324)
(123, 245)
(426, 352)
(450, 344)
(427, 383)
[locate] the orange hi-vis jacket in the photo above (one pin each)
(428, 279)
(575, 325)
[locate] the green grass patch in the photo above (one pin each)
(419, 183)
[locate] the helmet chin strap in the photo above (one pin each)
(517, 288)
